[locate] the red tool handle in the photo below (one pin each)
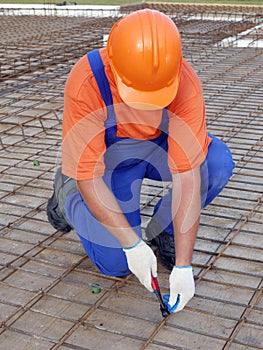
(157, 292)
(155, 284)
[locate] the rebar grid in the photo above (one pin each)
(224, 11)
(46, 299)
(47, 42)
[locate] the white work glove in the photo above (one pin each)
(182, 288)
(142, 262)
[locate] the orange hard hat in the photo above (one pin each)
(145, 53)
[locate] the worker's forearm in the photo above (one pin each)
(186, 214)
(184, 243)
(103, 205)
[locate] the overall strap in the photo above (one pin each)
(97, 67)
(165, 121)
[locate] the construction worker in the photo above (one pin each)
(133, 110)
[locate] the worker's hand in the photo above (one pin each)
(142, 262)
(182, 288)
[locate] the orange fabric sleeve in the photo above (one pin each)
(83, 129)
(188, 140)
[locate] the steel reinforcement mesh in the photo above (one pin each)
(51, 296)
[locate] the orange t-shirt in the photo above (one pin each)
(83, 143)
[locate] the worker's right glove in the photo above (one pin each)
(142, 262)
(182, 288)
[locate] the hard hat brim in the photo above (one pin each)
(147, 100)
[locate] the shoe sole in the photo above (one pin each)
(55, 219)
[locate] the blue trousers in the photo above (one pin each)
(124, 179)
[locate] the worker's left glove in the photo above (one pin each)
(182, 288)
(142, 262)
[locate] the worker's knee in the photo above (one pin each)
(109, 261)
(216, 170)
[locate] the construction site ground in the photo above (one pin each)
(51, 296)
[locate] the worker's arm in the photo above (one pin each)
(103, 205)
(186, 207)
(105, 208)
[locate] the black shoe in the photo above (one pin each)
(166, 249)
(55, 216)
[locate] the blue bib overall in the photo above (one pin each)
(127, 163)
